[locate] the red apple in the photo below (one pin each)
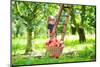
(56, 56)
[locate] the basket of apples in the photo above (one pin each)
(54, 47)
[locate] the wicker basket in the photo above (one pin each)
(52, 50)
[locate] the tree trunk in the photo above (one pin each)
(57, 20)
(29, 41)
(79, 29)
(81, 32)
(65, 24)
(73, 30)
(17, 31)
(73, 21)
(64, 28)
(81, 35)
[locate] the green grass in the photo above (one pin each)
(84, 51)
(48, 60)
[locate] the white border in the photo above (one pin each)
(5, 33)
(84, 2)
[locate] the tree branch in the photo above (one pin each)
(22, 16)
(27, 5)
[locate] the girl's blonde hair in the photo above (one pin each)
(51, 17)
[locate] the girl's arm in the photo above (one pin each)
(48, 32)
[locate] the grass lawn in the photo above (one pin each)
(81, 52)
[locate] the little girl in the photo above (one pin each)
(52, 41)
(51, 24)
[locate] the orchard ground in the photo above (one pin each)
(73, 51)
